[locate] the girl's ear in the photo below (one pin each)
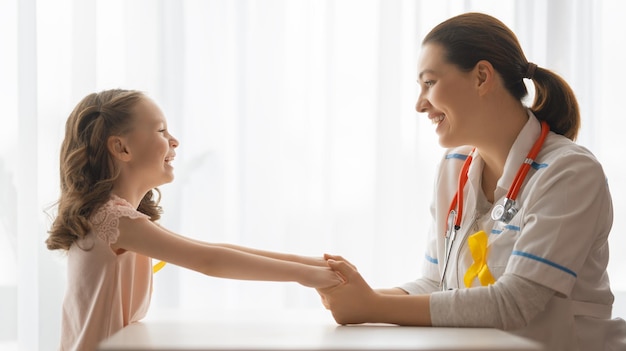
(485, 74)
(117, 148)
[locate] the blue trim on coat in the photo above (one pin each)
(431, 259)
(463, 157)
(543, 260)
(508, 227)
(457, 156)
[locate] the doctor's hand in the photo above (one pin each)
(352, 302)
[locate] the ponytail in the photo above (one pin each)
(555, 103)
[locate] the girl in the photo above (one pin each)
(116, 152)
(521, 214)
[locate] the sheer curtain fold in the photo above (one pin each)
(296, 122)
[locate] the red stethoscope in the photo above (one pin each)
(502, 212)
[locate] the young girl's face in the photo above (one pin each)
(448, 95)
(151, 146)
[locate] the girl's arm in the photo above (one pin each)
(145, 237)
(314, 261)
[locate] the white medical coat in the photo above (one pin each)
(557, 239)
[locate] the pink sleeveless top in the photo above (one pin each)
(105, 291)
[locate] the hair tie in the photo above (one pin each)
(530, 71)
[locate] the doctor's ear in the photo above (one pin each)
(117, 148)
(485, 74)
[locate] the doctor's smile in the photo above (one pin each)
(435, 119)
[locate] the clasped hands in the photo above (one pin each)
(350, 302)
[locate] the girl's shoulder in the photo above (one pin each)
(105, 220)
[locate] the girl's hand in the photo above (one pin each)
(320, 277)
(339, 259)
(312, 261)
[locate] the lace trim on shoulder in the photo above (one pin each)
(106, 219)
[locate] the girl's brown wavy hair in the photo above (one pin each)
(86, 167)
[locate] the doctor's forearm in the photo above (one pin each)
(409, 310)
(392, 291)
(509, 304)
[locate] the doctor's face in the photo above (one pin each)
(448, 96)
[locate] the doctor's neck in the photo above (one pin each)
(504, 129)
(504, 120)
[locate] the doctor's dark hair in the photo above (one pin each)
(472, 37)
(86, 167)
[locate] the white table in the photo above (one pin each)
(298, 330)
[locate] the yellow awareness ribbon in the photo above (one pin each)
(157, 267)
(478, 247)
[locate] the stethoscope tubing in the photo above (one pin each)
(455, 212)
(530, 159)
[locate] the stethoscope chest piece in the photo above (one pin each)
(505, 212)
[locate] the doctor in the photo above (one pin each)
(520, 214)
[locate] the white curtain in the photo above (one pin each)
(296, 122)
